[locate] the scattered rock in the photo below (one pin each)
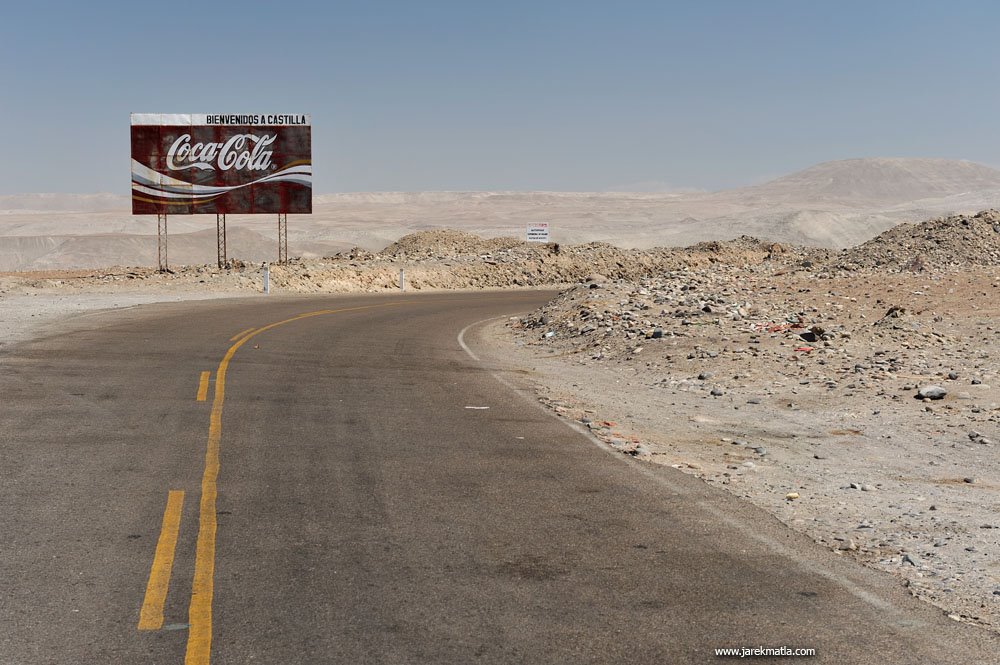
(932, 392)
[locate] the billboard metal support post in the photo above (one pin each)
(161, 241)
(220, 233)
(282, 238)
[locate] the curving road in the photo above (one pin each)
(317, 480)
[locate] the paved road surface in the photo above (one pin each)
(333, 499)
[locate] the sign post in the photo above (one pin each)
(161, 242)
(220, 239)
(282, 239)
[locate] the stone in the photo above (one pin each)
(932, 392)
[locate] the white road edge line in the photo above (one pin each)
(774, 545)
(461, 337)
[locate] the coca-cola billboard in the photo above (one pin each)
(205, 163)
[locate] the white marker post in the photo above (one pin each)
(402, 280)
(267, 279)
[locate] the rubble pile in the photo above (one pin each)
(445, 259)
(949, 242)
(731, 326)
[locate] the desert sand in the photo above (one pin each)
(834, 205)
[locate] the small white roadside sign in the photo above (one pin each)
(537, 233)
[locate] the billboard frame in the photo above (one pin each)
(222, 163)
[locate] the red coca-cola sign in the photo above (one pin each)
(205, 163)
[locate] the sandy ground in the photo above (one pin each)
(30, 303)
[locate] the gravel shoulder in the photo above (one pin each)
(711, 372)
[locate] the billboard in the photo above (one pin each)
(220, 163)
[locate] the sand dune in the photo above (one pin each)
(835, 204)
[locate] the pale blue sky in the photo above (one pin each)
(507, 95)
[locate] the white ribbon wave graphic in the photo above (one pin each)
(147, 181)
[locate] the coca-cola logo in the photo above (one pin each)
(241, 152)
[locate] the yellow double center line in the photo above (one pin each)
(199, 644)
(151, 615)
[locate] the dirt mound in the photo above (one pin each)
(450, 259)
(446, 243)
(956, 241)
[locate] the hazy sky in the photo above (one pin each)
(517, 95)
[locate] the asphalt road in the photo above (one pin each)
(334, 499)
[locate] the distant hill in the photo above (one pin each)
(62, 202)
(877, 181)
(835, 204)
